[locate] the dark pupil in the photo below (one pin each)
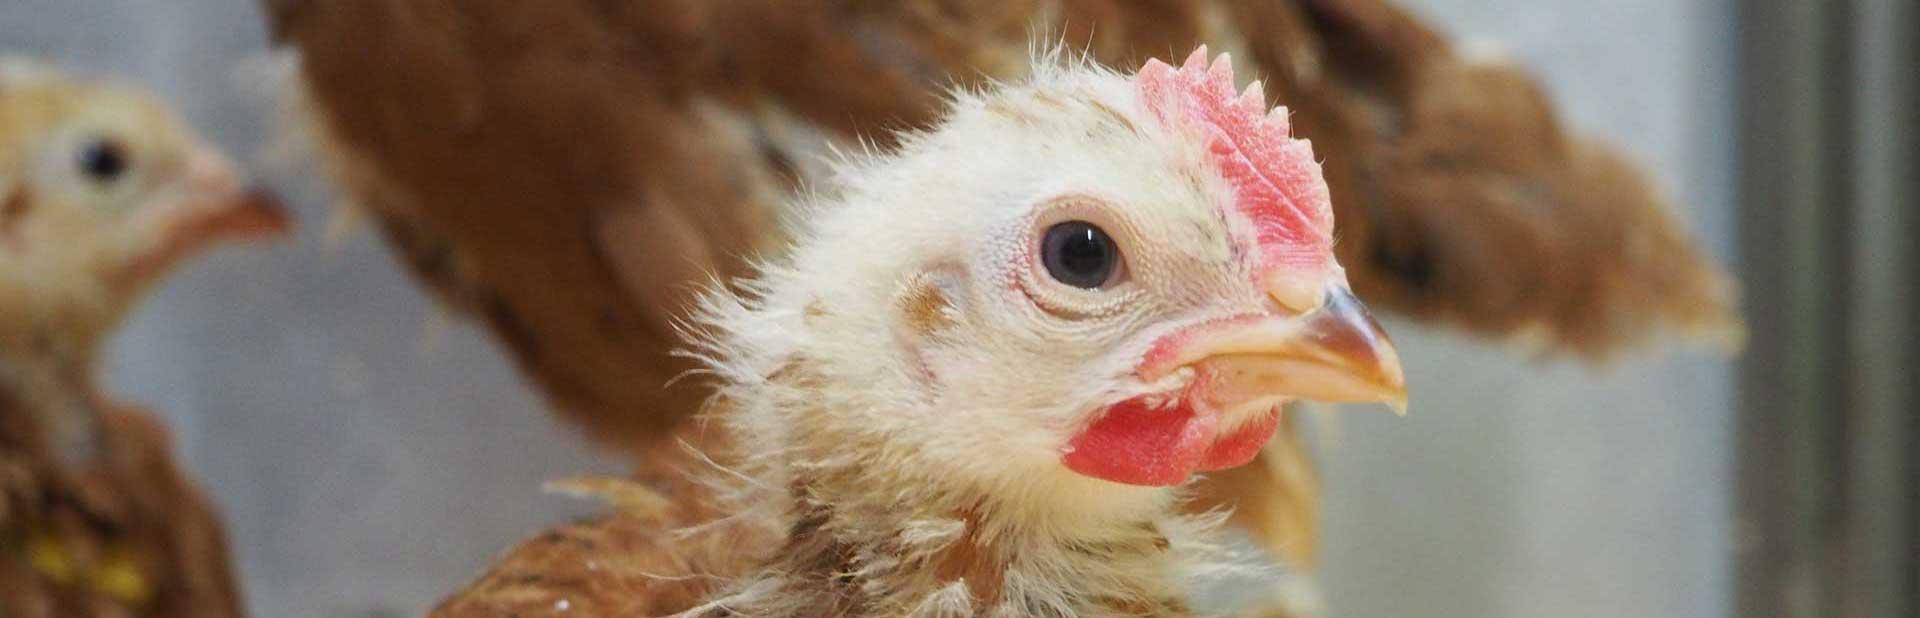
(1078, 254)
(103, 160)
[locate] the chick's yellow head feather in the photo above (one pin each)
(102, 189)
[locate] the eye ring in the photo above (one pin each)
(1079, 254)
(103, 160)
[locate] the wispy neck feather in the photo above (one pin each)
(861, 538)
(49, 403)
(853, 547)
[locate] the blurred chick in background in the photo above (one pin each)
(102, 191)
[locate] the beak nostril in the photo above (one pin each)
(1296, 295)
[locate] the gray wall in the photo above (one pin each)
(371, 456)
(1527, 489)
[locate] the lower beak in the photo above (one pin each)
(232, 215)
(218, 207)
(1336, 354)
(253, 214)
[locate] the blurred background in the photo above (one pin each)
(371, 454)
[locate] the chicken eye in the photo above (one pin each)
(1080, 254)
(102, 160)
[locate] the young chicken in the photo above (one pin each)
(102, 191)
(561, 171)
(992, 354)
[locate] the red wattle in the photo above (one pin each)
(1136, 444)
(1236, 449)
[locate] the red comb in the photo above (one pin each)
(1277, 184)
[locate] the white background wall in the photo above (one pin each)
(368, 465)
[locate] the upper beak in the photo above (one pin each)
(220, 207)
(1336, 353)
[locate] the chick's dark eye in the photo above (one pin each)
(1079, 254)
(103, 160)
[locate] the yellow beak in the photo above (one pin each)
(1336, 353)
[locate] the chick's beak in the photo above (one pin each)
(1336, 353)
(1242, 370)
(246, 214)
(219, 207)
(211, 207)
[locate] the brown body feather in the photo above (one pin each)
(126, 534)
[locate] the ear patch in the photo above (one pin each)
(924, 306)
(815, 313)
(14, 207)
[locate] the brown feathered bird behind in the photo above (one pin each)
(569, 172)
